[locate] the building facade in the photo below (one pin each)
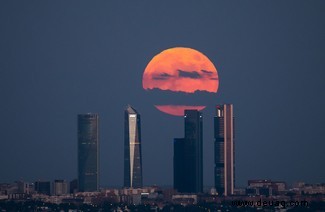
(265, 187)
(88, 152)
(60, 187)
(181, 168)
(224, 150)
(43, 187)
(188, 155)
(132, 149)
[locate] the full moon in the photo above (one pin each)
(180, 69)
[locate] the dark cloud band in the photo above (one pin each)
(191, 74)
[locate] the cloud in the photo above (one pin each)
(207, 72)
(192, 74)
(157, 96)
(162, 76)
(214, 78)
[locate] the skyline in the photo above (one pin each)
(88, 131)
(59, 59)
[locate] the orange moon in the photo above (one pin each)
(180, 69)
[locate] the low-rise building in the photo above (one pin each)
(265, 188)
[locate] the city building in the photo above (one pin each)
(309, 189)
(73, 186)
(18, 187)
(184, 199)
(132, 149)
(188, 155)
(181, 168)
(224, 150)
(265, 187)
(43, 187)
(88, 152)
(23, 187)
(60, 187)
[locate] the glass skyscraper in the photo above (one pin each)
(188, 155)
(88, 152)
(224, 150)
(132, 149)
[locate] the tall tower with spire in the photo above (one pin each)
(132, 149)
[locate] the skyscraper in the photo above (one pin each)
(181, 167)
(188, 155)
(88, 152)
(224, 150)
(132, 149)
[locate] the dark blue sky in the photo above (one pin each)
(61, 58)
